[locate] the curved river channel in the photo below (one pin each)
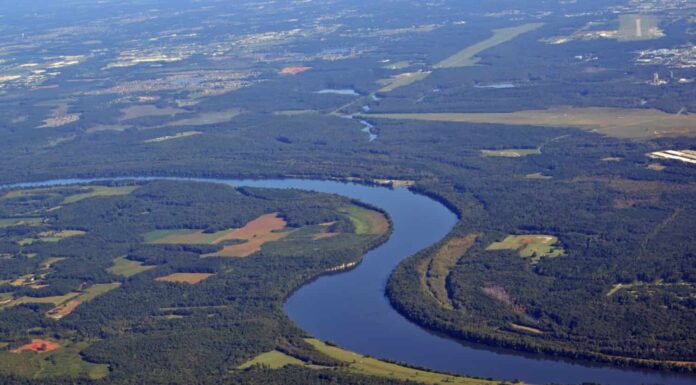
(351, 309)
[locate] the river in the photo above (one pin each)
(351, 309)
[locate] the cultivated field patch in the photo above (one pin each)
(273, 360)
(617, 122)
(86, 295)
(360, 364)
(127, 268)
(37, 346)
(100, 191)
(266, 228)
(190, 278)
(65, 361)
(11, 222)
(435, 270)
(367, 221)
(530, 246)
(363, 365)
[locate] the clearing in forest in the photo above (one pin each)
(273, 360)
(435, 270)
(256, 233)
(100, 191)
(511, 152)
(367, 221)
(530, 246)
(38, 346)
(88, 294)
(467, 57)
(128, 268)
(52, 359)
(51, 236)
(190, 278)
(617, 122)
(11, 222)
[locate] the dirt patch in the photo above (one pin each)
(190, 278)
(38, 346)
(63, 310)
(256, 233)
(294, 70)
(499, 294)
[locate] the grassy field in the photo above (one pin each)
(9, 222)
(100, 191)
(51, 236)
(467, 56)
(434, 271)
(205, 118)
(64, 308)
(96, 290)
(55, 300)
(63, 362)
(190, 278)
(273, 359)
(617, 122)
(530, 246)
(127, 268)
(264, 229)
(367, 221)
(365, 365)
(511, 152)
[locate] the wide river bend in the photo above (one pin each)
(351, 309)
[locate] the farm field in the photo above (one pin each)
(530, 246)
(128, 268)
(359, 364)
(273, 359)
(435, 270)
(467, 56)
(100, 191)
(370, 366)
(51, 236)
(63, 304)
(266, 228)
(616, 122)
(367, 221)
(61, 359)
(11, 222)
(190, 278)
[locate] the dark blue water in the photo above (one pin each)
(350, 308)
